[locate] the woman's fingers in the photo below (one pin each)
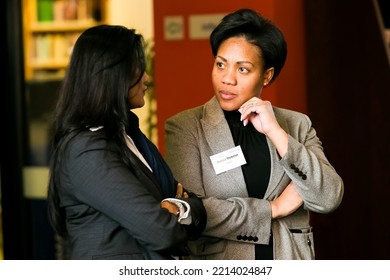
(171, 207)
(179, 190)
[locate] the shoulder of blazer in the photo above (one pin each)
(90, 140)
(288, 119)
(196, 113)
(282, 112)
(96, 140)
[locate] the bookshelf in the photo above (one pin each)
(51, 28)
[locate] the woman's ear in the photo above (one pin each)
(268, 74)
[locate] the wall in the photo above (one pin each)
(136, 14)
(183, 67)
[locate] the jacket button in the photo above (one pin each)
(255, 239)
(239, 237)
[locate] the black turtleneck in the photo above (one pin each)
(258, 167)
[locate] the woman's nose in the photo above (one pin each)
(229, 77)
(146, 77)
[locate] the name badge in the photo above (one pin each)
(228, 160)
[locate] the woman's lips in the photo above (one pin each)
(226, 95)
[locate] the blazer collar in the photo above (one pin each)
(215, 127)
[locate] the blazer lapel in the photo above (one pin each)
(145, 176)
(219, 137)
(215, 127)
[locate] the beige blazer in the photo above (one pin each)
(235, 221)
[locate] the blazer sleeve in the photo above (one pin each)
(316, 180)
(198, 216)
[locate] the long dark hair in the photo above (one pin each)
(106, 61)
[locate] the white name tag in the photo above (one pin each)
(228, 160)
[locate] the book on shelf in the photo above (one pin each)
(67, 10)
(53, 48)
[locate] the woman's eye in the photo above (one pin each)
(219, 64)
(243, 70)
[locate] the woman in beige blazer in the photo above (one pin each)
(259, 169)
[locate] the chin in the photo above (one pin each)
(137, 106)
(228, 106)
(141, 104)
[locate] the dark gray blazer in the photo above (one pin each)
(113, 211)
(236, 222)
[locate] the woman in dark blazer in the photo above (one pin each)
(260, 169)
(111, 195)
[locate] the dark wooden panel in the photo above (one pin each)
(348, 99)
(14, 217)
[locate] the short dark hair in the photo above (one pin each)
(258, 31)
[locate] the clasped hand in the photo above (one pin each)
(172, 207)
